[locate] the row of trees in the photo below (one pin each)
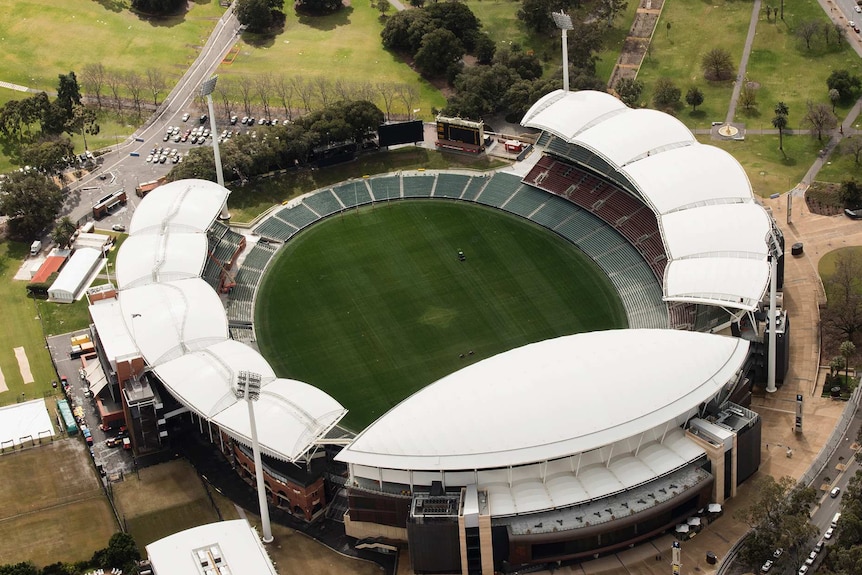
(121, 88)
(283, 147)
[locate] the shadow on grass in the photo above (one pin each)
(112, 5)
(328, 21)
(697, 114)
(788, 161)
(260, 40)
(162, 20)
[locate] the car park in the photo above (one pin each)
(766, 566)
(149, 158)
(186, 117)
(204, 118)
(163, 159)
(177, 139)
(836, 491)
(118, 228)
(803, 570)
(166, 138)
(233, 120)
(819, 546)
(777, 553)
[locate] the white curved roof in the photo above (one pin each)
(175, 320)
(172, 318)
(550, 399)
(689, 176)
(567, 113)
(678, 178)
(149, 258)
(182, 206)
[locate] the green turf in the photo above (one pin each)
(375, 305)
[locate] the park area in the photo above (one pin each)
(52, 507)
(374, 305)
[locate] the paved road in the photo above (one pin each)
(121, 170)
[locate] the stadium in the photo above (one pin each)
(554, 451)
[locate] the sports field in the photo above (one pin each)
(374, 305)
(51, 505)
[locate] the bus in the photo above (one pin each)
(67, 417)
(109, 202)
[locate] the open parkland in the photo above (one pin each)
(52, 503)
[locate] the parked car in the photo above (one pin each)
(853, 214)
(233, 120)
(819, 546)
(127, 444)
(186, 117)
(204, 118)
(777, 553)
(112, 442)
(811, 557)
(828, 534)
(766, 566)
(118, 228)
(803, 570)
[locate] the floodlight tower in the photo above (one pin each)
(207, 89)
(248, 388)
(564, 23)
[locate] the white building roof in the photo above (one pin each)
(236, 542)
(149, 258)
(688, 185)
(172, 318)
(181, 206)
(689, 176)
(77, 270)
(165, 313)
(550, 399)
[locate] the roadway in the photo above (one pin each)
(119, 168)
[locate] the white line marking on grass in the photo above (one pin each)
(23, 365)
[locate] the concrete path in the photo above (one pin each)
(743, 65)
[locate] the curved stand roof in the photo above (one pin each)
(550, 400)
(687, 184)
(165, 311)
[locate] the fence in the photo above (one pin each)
(834, 440)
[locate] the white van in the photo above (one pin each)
(835, 520)
(35, 248)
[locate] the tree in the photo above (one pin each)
(49, 156)
(847, 349)
(63, 232)
(846, 84)
(68, 92)
(382, 6)
(114, 80)
(806, 31)
(155, 83)
(666, 95)
(819, 118)
(157, 6)
(717, 65)
(284, 89)
(779, 122)
(485, 48)
(263, 86)
(31, 201)
(853, 146)
(260, 15)
(610, 8)
(439, 50)
(748, 97)
(782, 109)
(694, 97)
(135, 85)
(629, 90)
(82, 121)
(842, 317)
(409, 95)
(94, 81)
(387, 92)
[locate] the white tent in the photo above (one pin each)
(75, 276)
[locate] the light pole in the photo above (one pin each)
(248, 388)
(564, 23)
(207, 89)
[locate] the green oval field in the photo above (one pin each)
(373, 305)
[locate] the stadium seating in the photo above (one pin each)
(386, 187)
(418, 186)
(498, 190)
(258, 257)
(298, 216)
(525, 201)
(323, 203)
(352, 194)
(450, 185)
(474, 188)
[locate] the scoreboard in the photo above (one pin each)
(458, 131)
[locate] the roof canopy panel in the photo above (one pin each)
(173, 318)
(729, 282)
(289, 415)
(626, 137)
(550, 399)
(147, 258)
(566, 113)
(691, 175)
(721, 230)
(182, 206)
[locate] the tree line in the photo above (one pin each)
(121, 553)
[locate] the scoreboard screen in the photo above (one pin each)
(454, 133)
(400, 133)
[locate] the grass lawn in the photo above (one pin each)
(248, 202)
(164, 499)
(19, 312)
(826, 267)
(840, 167)
(768, 170)
(787, 71)
(44, 38)
(696, 28)
(51, 505)
(374, 306)
(343, 46)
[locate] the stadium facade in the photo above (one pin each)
(554, 451)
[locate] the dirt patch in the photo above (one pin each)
(823, 198)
